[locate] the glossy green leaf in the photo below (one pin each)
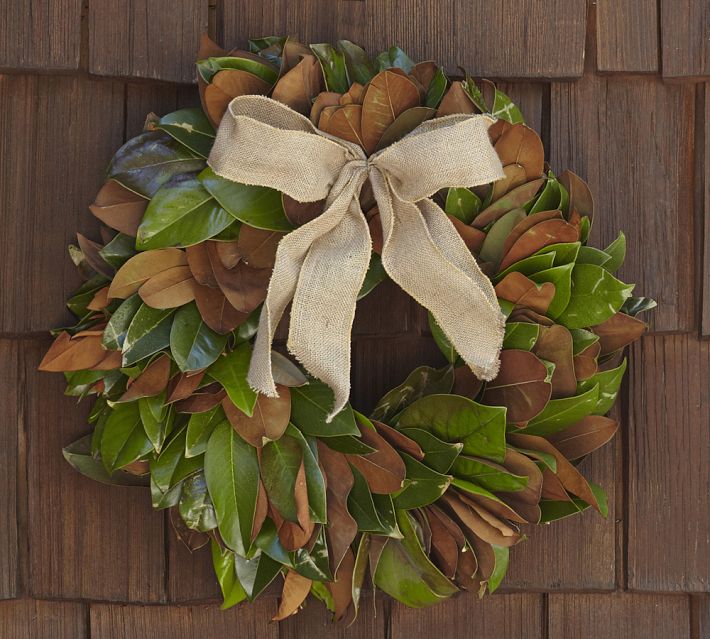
(191, 128)
(362, 508)
(520, 335)
(148, 333)
(436, 89)
(560, 413)
(635, 305)
(549, 199)
(463, 204)
(267, 540)
(561, 277)
(117, 327)
(280, 461)
(332, 63)
(375, 275)
(261, 69)
(349, 444)
(394, 57)
(315, 481)
(423, 486)
(617, 252)
(193, 344)
(171, 467)
(528, 266)
(502, 559)
(505, 109)
(358, 65)
(223, 562)
(564, 252)
(481, 429)
(596, 296)
(490, 476)
(195, 505)
(438, 454)
(314, 564)
(231, 371)
(492, 248)
(609, 383)
(146, 162)
(200, 427)
(157, 419)
(80, 457)
(311, 404)
(119, 250)
(181, 213)
(78, 302)
(591, 255)
(123, 440)
(232, 474)
(256, 206)
(582, 339)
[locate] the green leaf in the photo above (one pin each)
(146, 162)
(193, 344)
(199, 429)
(80, 457)
(357, 63)
(492, 248)
(181, 213)
(609, 383)
(375, 275)
(349, 444)
(195, 505)
(564, 252)
(280, 461)
(463, 204)
(528, 266)
(635, 305)
(171, 467)
(617, 251)
(267, 540)
(505, 109)
(261, 69)
(362, 507)
(520, 336)
(560, 413)
(332, 63)
(257, 206)
(257, 573)
(231, 371)
(314, 564)
(311, 404)
(561, 277)
(436, 89)
(223, 562)
(119, 250)
(148, 333)
(78, 302)
(405, 572)
(423, 486)
(232, 474)
(596, 296)
(191, 128)
(492, 477)
(502, 558)
(591, 255)
(123, 440)
(157, 419)
(422, 381)
(552, 510)
(117, 327)
(438, 454)
(394, 57)
(582, 340)
(442, 341)
(481, 429)
(549, 199)
(315, 481)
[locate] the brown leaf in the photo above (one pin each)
(119, 208)
(472, 237)
(295, 591)
(78, 354)
(526, 224)
(455, 100)
(404, 124)
(388, 94)
(497, 129)
(227, 85)
(100, 300)
(554, 344)
(424, 72)
(585, 364)
(258, 247)
(341, 588)
(515, 199)
(169, 289)
(216, 311)
(520, 386)
(269, 420)
(552, 487)
(298, 86)
(325, 115)
(523, 314)
(260, 511)
(201, 402)
(384, 469)
(539, 236)
(466, 383)
(444, 548)
(345, 123)
(244, 287)
(325, 99)
(199, 263)
(521, 290)
(228, 253)
(292, 536)
(521, 145)
(151, 381)
(519, 464)
(355, 95)
(140, 268)
(300, 213)
(480, 522)
(580, 197)
(514, 177)
(92, 256)
(399, 440)
(585, 436)
(618, 331)
(183, 385)
(300, 490)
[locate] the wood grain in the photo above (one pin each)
(37, 34)
(146, 38)
(618, 615)
(11, 408)
(386, 310)
(85, 539)
(685, 37)
(632, 140)
(62, 132)
(704, 167)
(184, 622)
(190, 574)
(669, 465)
(627, 35)
(29, 619)
(519, 616)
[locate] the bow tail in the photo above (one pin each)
(324, 303)
(441, 275)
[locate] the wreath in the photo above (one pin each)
(262, 456)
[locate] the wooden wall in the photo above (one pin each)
(620, 91)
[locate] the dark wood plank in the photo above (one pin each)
(143, 98)
(247, 621)
(31, 619)
(530, 97)
(10, 463)
(146, 38)
(685, 37)
(386, 310)
(700, 616)
(704, 175)
(190, 574)
(86, 540)
(36, 34)
(627, 35)
(62, 132)
(501, 616)
(669, 465)
(618, 615)
(576, 553)
(632, 140)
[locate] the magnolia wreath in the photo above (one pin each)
(310, 175)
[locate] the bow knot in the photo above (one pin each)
(320, 267)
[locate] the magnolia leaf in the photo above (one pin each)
(541, 235)
(216, 311)
(79, 455)
(194, 345)
(609, 383)
(223, 562)
(585, 436)
(555, 345)
(119, 208)
(310, 406)
(151, 381)
(191, 128)
(295, 591)
(299, 85)
(334, 67)
(357, 63)
(618, 331)
(560, 413)
(521, 336)
(227, 84)
(438, 454)
(148, 333)
(230, 371)
(123, 440)
(268, 421)
(422, 487)
(169, 289)
(200, 427)
(463, 204)
(143, 266)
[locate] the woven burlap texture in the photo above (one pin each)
(320, 267)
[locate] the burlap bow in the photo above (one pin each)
(321, 265)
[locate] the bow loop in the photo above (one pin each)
(320, 267)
